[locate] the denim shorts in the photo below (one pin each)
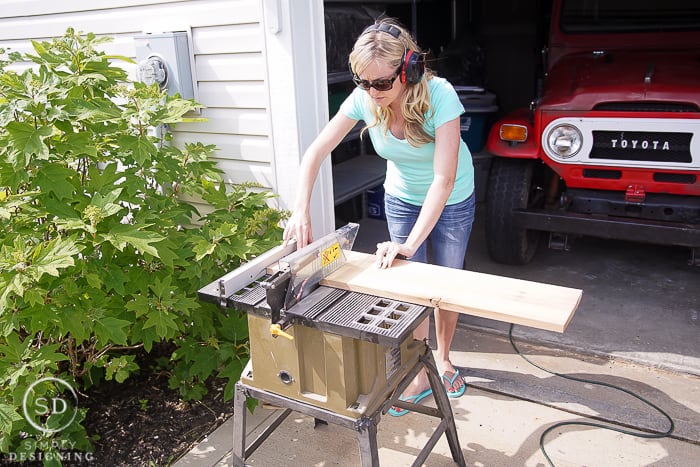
(448, 239)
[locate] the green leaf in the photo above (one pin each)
(101, 201)
(76, 323)
(123, 58)
(14, 286)
(15, 350)
(96, 110)
(106, 203)
(60, 209)
(140, 305)
(47, 357)
(234, 327)
(119, 368)
(204, 361)
(169, 254)
(106, 177)
(147, 336)
(110, 329)
(58, 254)
(141, 148)
(13, 171)
(35, 297)
(78, 144)
(162, 321)
(203, 248)
(28, 139)
(57, 179)
(123, 234)
(144, 150)
(232, 371)
(8, 415)
(41, 49)
(162, 287)
(114, 280)
(94, 280)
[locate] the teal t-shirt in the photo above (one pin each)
(410, 169)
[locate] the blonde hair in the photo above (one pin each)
(374, 44)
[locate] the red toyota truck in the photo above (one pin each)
(610, 146)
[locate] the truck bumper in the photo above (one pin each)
(603, 226)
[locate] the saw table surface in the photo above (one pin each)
(534, 304)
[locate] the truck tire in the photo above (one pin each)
(511, 186)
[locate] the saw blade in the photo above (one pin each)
(315, 261)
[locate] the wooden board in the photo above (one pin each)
(534, 304)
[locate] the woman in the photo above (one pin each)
(412, 118)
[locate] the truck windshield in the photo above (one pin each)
(610, 16)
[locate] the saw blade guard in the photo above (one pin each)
(315, 261)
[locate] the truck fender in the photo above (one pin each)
(528, 149)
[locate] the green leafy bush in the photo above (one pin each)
(99, 254)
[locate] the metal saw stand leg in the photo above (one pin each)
(240, 451)
(365, 426)
(442, 411)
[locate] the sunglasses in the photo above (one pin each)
(383, 84)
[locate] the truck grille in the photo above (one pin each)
(641, 146)
(660, 144)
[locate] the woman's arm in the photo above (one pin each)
(445, 168)
(299, 224)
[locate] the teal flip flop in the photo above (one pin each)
(398, 412)
(449, 386)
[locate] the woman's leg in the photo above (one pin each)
(449, 241)
(401, 217)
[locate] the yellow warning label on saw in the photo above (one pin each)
(330, 254)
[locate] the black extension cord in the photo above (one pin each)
(639, 434)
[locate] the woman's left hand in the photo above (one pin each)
(388, 251)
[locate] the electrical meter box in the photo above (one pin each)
(167, 59)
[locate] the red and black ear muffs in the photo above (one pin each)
(412, 64)
(412, 67)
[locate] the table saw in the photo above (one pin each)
(340, 356)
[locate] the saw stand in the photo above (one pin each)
(365, 426)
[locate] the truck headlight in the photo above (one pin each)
(564, 140)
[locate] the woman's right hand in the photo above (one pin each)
(298, 227)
